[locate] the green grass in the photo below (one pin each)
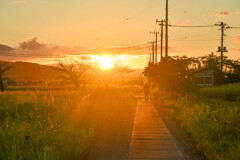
(48, 124)
(37, 125)
(210, 119)
(229, 92)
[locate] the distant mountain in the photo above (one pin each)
(25, 71)
(33, 72)
(5, 48)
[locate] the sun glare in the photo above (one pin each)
(105, 62)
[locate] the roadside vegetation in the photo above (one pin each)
(211, 117)
(58, 124)
(40, 125)
(230, 92)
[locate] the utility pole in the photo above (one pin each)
(153, 52)
(161, 23)
(156, 40)
(222, 48)
(152, 56)
(156, 46)
(166, 27)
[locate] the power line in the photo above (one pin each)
(130, 47)
(131, 50)
(203, 26)
(234, 28)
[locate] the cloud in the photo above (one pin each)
(33, 49)
(184, 22)
(32, 44)
(236, 38)
(223, 14)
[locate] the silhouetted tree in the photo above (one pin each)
(107, 76)
(231, 69)
(74, 70)
(176, 73)
(172, 74)
(4, 66)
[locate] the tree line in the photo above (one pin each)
(176, 73)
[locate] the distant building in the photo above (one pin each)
(204, 77)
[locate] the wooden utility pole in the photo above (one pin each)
(152, 55)
(155, 49)
(222, 34)
(161, 23)
(161, 52)
(222, 48)
(153, 52)
(156, 46)
(166, 27)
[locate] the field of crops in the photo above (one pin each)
(211, 116)
(56, 124)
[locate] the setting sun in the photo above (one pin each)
(105, 62)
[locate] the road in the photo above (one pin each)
(150, 138)
(149, 133)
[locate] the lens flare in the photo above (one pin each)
(105, 62)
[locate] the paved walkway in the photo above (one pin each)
(150, 138)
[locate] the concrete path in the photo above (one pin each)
(150, 138)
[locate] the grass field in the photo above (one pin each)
(229, 92)
(56, 124)
(210, 117)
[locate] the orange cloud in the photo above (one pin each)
(32, 44)
(223, 14)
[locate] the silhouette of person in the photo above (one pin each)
(146, 91)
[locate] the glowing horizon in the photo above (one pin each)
(64, 28)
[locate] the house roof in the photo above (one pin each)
(205, 72)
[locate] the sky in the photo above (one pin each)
(43, 30)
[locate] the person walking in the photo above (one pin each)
(146, 91)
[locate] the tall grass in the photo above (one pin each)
(210, 117)
(229, 92)
(49, 124)
(39, 125)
